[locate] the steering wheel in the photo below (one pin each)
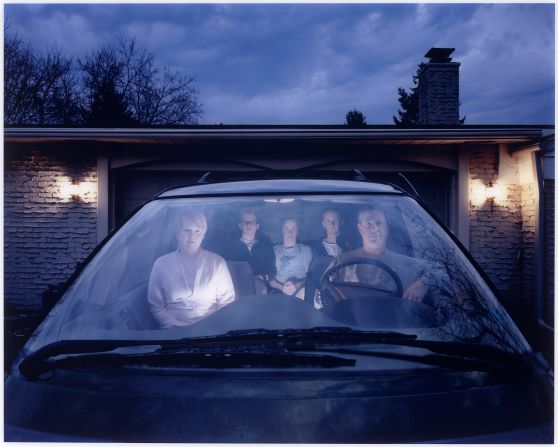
(330, 289)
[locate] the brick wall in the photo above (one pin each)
(439, 93)
(45, 236)
(502, 235)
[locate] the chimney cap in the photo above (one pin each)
(438, 55)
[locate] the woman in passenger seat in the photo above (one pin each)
(189, 283)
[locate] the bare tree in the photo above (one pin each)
(148, 95)
(38, 90)
(119, 85)
(20, 82)
(57, 101)
(103, 82)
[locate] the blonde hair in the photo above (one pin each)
(196, 217)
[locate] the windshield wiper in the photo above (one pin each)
(302, 337)
(288, 339)
(187, 358)
(254, 340)
(514, 365)
(450, 353)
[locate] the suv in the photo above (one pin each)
(389, 334)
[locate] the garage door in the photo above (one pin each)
(134, 188)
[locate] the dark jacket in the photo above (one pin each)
(318, 250)
(261, 257)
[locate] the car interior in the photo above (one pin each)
(127, 277)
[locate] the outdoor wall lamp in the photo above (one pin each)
(74, 190)
(69, 190)
(485, 193)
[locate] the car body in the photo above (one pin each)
(350, 361)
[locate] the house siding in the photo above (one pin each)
(45, 236)
(502, 235)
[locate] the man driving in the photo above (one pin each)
(374, 231)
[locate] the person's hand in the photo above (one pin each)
(289, 288)
(416, 291)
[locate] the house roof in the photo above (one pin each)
(516, 136)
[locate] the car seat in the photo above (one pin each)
(242, 277)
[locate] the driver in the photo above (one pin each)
(189, 283)
(374, 230)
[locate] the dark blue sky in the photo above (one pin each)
(311, 63)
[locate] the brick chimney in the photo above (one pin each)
(438, 88)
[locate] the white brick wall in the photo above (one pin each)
(502, 234)
(45, 236)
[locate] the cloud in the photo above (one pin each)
(312, 62)
(510, 57)
(423, 16)
(43, 28)
(314, 101)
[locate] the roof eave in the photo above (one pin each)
(153, 135)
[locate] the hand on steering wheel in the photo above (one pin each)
(329, 286)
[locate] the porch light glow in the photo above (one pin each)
(482, 193)
(72, 190)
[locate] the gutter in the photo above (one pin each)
(513, 133)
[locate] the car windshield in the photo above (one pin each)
(184, 267)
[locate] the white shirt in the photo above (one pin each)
(181, 293)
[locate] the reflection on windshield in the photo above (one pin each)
(183, 266)
(462, 294)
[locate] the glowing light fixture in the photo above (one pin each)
(69, 190)
(482, 193)
(73, 190)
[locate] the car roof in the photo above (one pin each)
(278, 186)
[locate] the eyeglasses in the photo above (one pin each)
(249, 222)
